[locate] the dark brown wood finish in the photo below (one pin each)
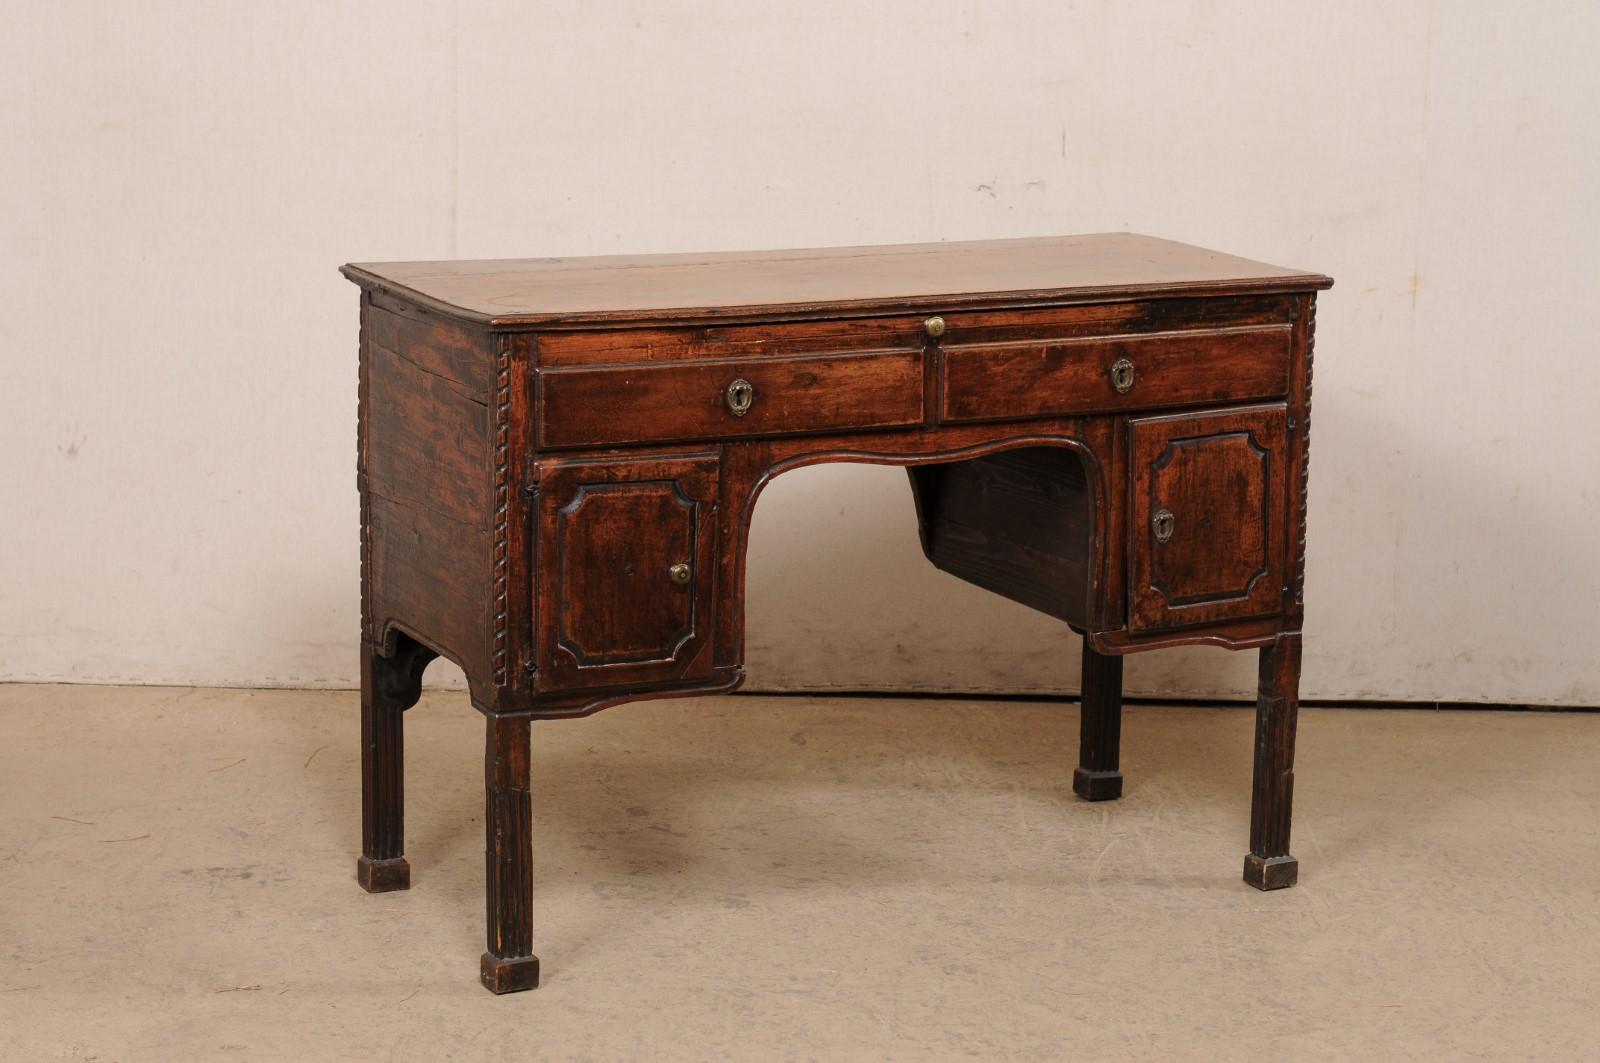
(689, 400)
(425, 447)
(390, 684)
(728, 285)
(1208, 498)
(1015, 378)
(509, 963)
(627, 571)
(1268, 866)
(1017, 522)
(1099, 774)
(558, 461)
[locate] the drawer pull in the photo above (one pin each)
(679, 573)
(934, 327)
(739, 395)
(1122, 378)
(1163, 524)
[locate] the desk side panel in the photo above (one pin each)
(426, 468)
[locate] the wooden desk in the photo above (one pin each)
(558, 459)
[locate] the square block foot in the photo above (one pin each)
(509, 976)
(1271, 872)
(1097, 785)
(383, 876)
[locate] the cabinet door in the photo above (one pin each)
(624, 565)
(1206, 524)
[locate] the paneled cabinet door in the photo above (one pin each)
(624, 563)
(1206, 524)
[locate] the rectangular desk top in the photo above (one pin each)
(620, 289)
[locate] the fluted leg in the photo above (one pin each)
(389, 686)
(1099, 778)
(1269, 865)
(509, 964)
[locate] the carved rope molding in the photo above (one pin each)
(1305, 455)
(502, 500)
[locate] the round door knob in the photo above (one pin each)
(679, 573)
(1121, 373)
(739, 395)
(1163, 524)
(934, 327)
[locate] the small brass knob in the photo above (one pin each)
(679, 573)
(1121, 373)
(934, 327)
(739, 395)
(1163, 524)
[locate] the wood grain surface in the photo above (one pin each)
(558, 472)
(656, 403)
(636, 288)
(1039, 377)
(1222, 477)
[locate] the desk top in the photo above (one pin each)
(630, 289)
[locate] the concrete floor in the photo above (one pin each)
(752, 878)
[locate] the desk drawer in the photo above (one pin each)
(666, 401)
(1040, 377)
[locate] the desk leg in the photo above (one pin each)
(1269, 865)
(389, 686)
(1099, 777)
(510, 964)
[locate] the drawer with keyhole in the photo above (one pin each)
(668, 401)
(1062, 375)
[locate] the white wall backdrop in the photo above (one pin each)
(177, 361)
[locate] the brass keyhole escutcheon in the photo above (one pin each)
(679, 573)
(739, 395)
(1121, 372)
(1163, 524)
(934, 327)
